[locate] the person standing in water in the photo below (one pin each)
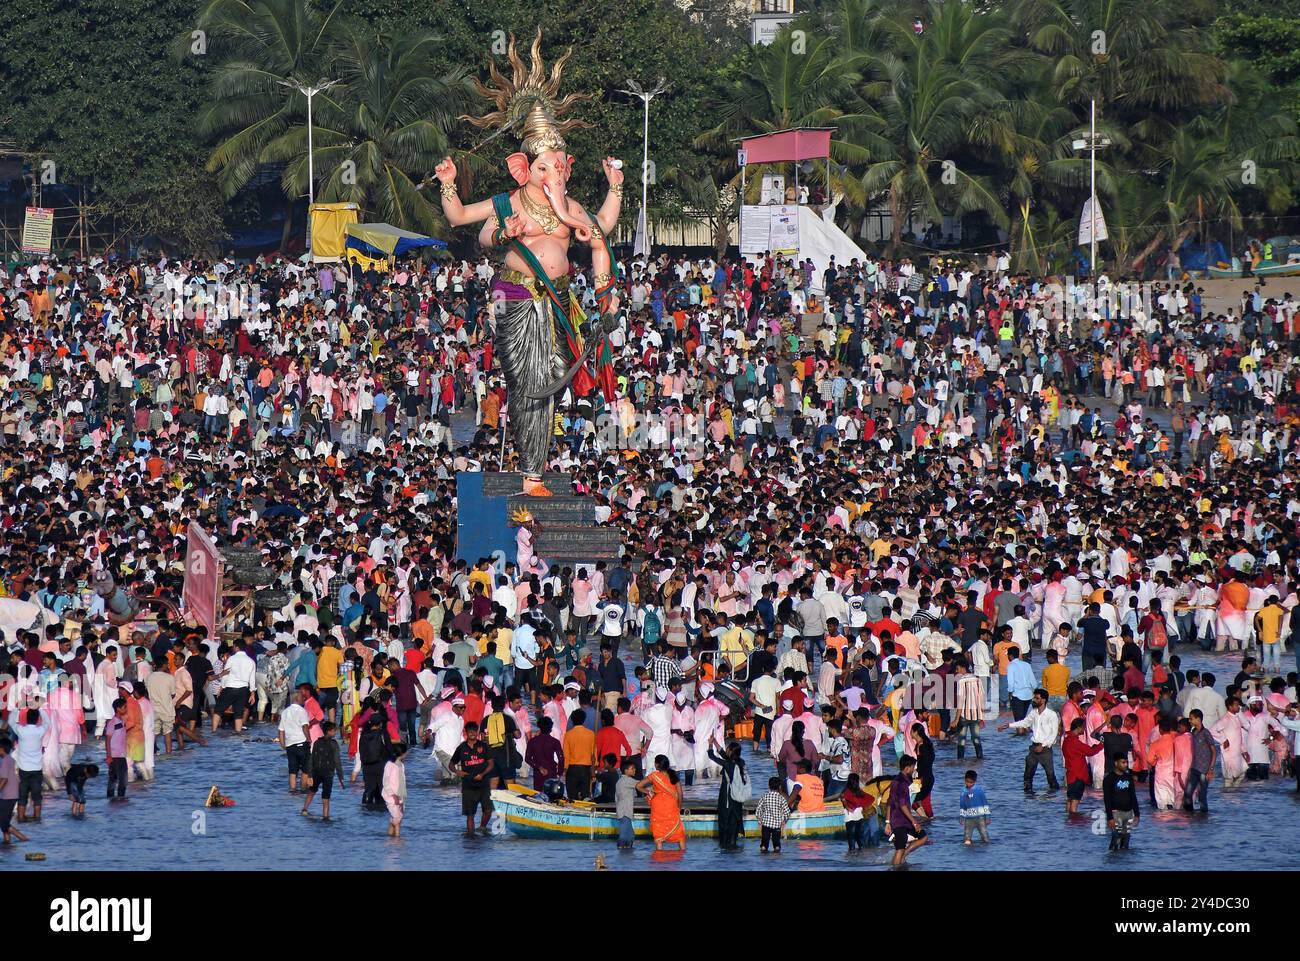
(974, 811)
(394, 791)
(326, 764)
(664, 789)
(904, 828)
(1121, 802)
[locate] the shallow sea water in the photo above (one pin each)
(156, 828)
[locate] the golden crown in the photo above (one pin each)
(527, 102)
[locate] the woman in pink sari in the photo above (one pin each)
(67, 730)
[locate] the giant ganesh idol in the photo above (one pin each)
(540, 327)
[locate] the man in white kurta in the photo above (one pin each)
(1230, 732)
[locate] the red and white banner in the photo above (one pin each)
(203, 570)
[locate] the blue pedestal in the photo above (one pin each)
(481, 521)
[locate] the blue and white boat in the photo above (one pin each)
(529, 815)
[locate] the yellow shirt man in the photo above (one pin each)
(328, 662)
(480, 577)
(1056, 678)
(735, 644)
(1268, 622)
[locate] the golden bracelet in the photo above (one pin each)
(448, 189)
(617, 189)
(601, 280)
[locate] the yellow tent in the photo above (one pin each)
(329, 224)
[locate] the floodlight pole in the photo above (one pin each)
(309, 91)
(635, 89)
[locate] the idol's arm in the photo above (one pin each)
(457, 213)
(607, 216)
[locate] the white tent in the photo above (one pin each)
(776, 227)
(821, 239)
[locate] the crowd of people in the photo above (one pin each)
(855, 500)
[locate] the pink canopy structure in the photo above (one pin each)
(798, 143)
(784, 146)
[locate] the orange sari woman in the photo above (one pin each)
(664, 789)
(134, 727)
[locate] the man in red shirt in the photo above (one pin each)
(610, 740)
(886, 623)
(1077, 773)
(474, 704)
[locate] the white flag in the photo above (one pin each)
(1086, 222)
(641, 245)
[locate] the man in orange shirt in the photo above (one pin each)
(422, 629)
(579, 746)
(906, 642)
(1002, 659)
(835, 639)
(491, 411)
(809, 793)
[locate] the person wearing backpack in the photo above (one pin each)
(1155, 633)
(733, 792)
(651, 628)
(373, 749)
(499, 733)
(326, 764)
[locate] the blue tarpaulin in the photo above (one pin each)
(385, 240)
(1198, 256)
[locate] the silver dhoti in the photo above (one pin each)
(525, 342)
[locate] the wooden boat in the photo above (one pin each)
(1271, 269)
(528, 814)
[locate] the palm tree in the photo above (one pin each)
(258, 44)
(701, 197)
(799, 80)
(1037, 166)
(926, 92)
(1132, 54)
(1134, 219)
(1209, 167)
(380, 130)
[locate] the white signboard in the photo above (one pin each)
(755, 226)
(1086, 222)
(742, 158)
(764, 29)
(783, 233)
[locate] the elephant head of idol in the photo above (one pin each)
(547, 173)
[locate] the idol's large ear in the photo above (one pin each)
(517, 164)
(569, 171)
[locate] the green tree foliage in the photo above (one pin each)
(1271, 44)
(89, 85)
(938, 108)
(634, 39)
